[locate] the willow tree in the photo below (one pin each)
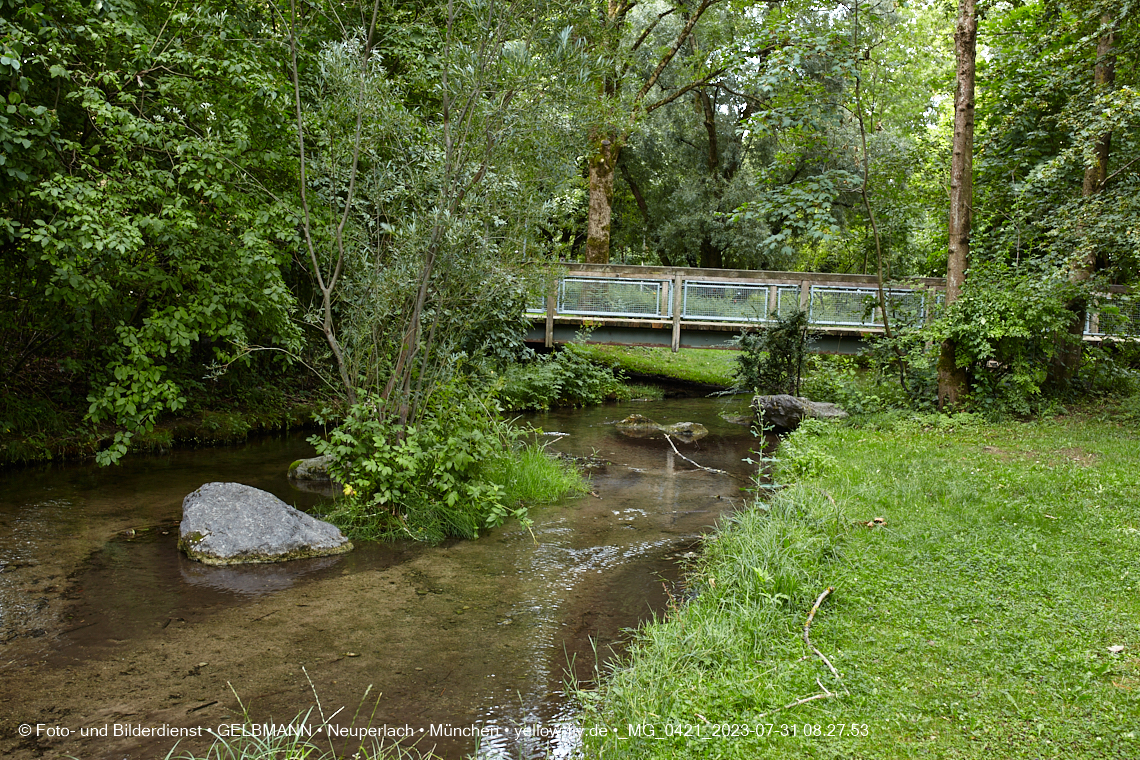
(636, 49)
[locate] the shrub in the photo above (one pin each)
(771, 358)
(457, 470)
(563, 378)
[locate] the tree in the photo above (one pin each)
(144, 229)
(1082, 267)
(629, 87)
(952, 377)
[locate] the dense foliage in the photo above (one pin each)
(195, 199)
(139, 141)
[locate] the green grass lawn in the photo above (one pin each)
(977, 622)
(698, 365)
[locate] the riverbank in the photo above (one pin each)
(46, 422)
(994, 610)
(36, 429)
(712, 369)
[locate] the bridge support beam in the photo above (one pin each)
(678, 291)
(551, 307)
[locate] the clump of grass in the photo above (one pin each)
(639, 392)
(532, 476)
(979, 619)
(296, 741)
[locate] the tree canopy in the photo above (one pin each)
(365, 186)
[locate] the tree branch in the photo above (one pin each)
(807, 629)
(648, 29)
(691, 86)
(681, 38)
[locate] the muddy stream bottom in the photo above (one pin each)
(112, 643)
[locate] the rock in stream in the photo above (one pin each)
(231, 523)
(637, 426)
(785, 412)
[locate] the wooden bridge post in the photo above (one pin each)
(805, 295)
(551, 307)
(678, 290)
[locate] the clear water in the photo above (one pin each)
(482, 633)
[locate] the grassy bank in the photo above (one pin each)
(979, 621)
(706, 366)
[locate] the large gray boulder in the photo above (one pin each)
(231, 523)
(785, 412)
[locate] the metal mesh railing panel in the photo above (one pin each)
(727, 302)
(907, 307)
(615, 297)
(1122, 319)
(843, 306)
(833, 305)
(787, 300)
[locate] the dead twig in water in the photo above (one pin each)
(698, 466)
(807, 629)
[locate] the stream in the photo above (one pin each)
(468, 647)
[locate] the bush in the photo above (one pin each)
(771, 358)
(840, 380)
(564, 378)
(459, 469)
(1007, 327)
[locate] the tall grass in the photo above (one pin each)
(994, 613)
(296, 741)
(531, 475)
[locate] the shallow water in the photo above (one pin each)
(105, 622)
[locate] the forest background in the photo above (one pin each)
(231, 202)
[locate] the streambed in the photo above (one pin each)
(105, 626)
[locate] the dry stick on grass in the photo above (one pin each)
(807, 628)
(822, 695)
(700, 466)
(824, 692)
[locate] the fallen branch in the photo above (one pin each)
(822, 695)
(807, 629)
(694, 464)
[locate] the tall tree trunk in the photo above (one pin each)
(711, 256)
(1067, 360)
(952, 378)
(602, 165)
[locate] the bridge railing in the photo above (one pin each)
(693, 297)
(707, 299)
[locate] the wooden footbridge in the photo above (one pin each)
(701, 308)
